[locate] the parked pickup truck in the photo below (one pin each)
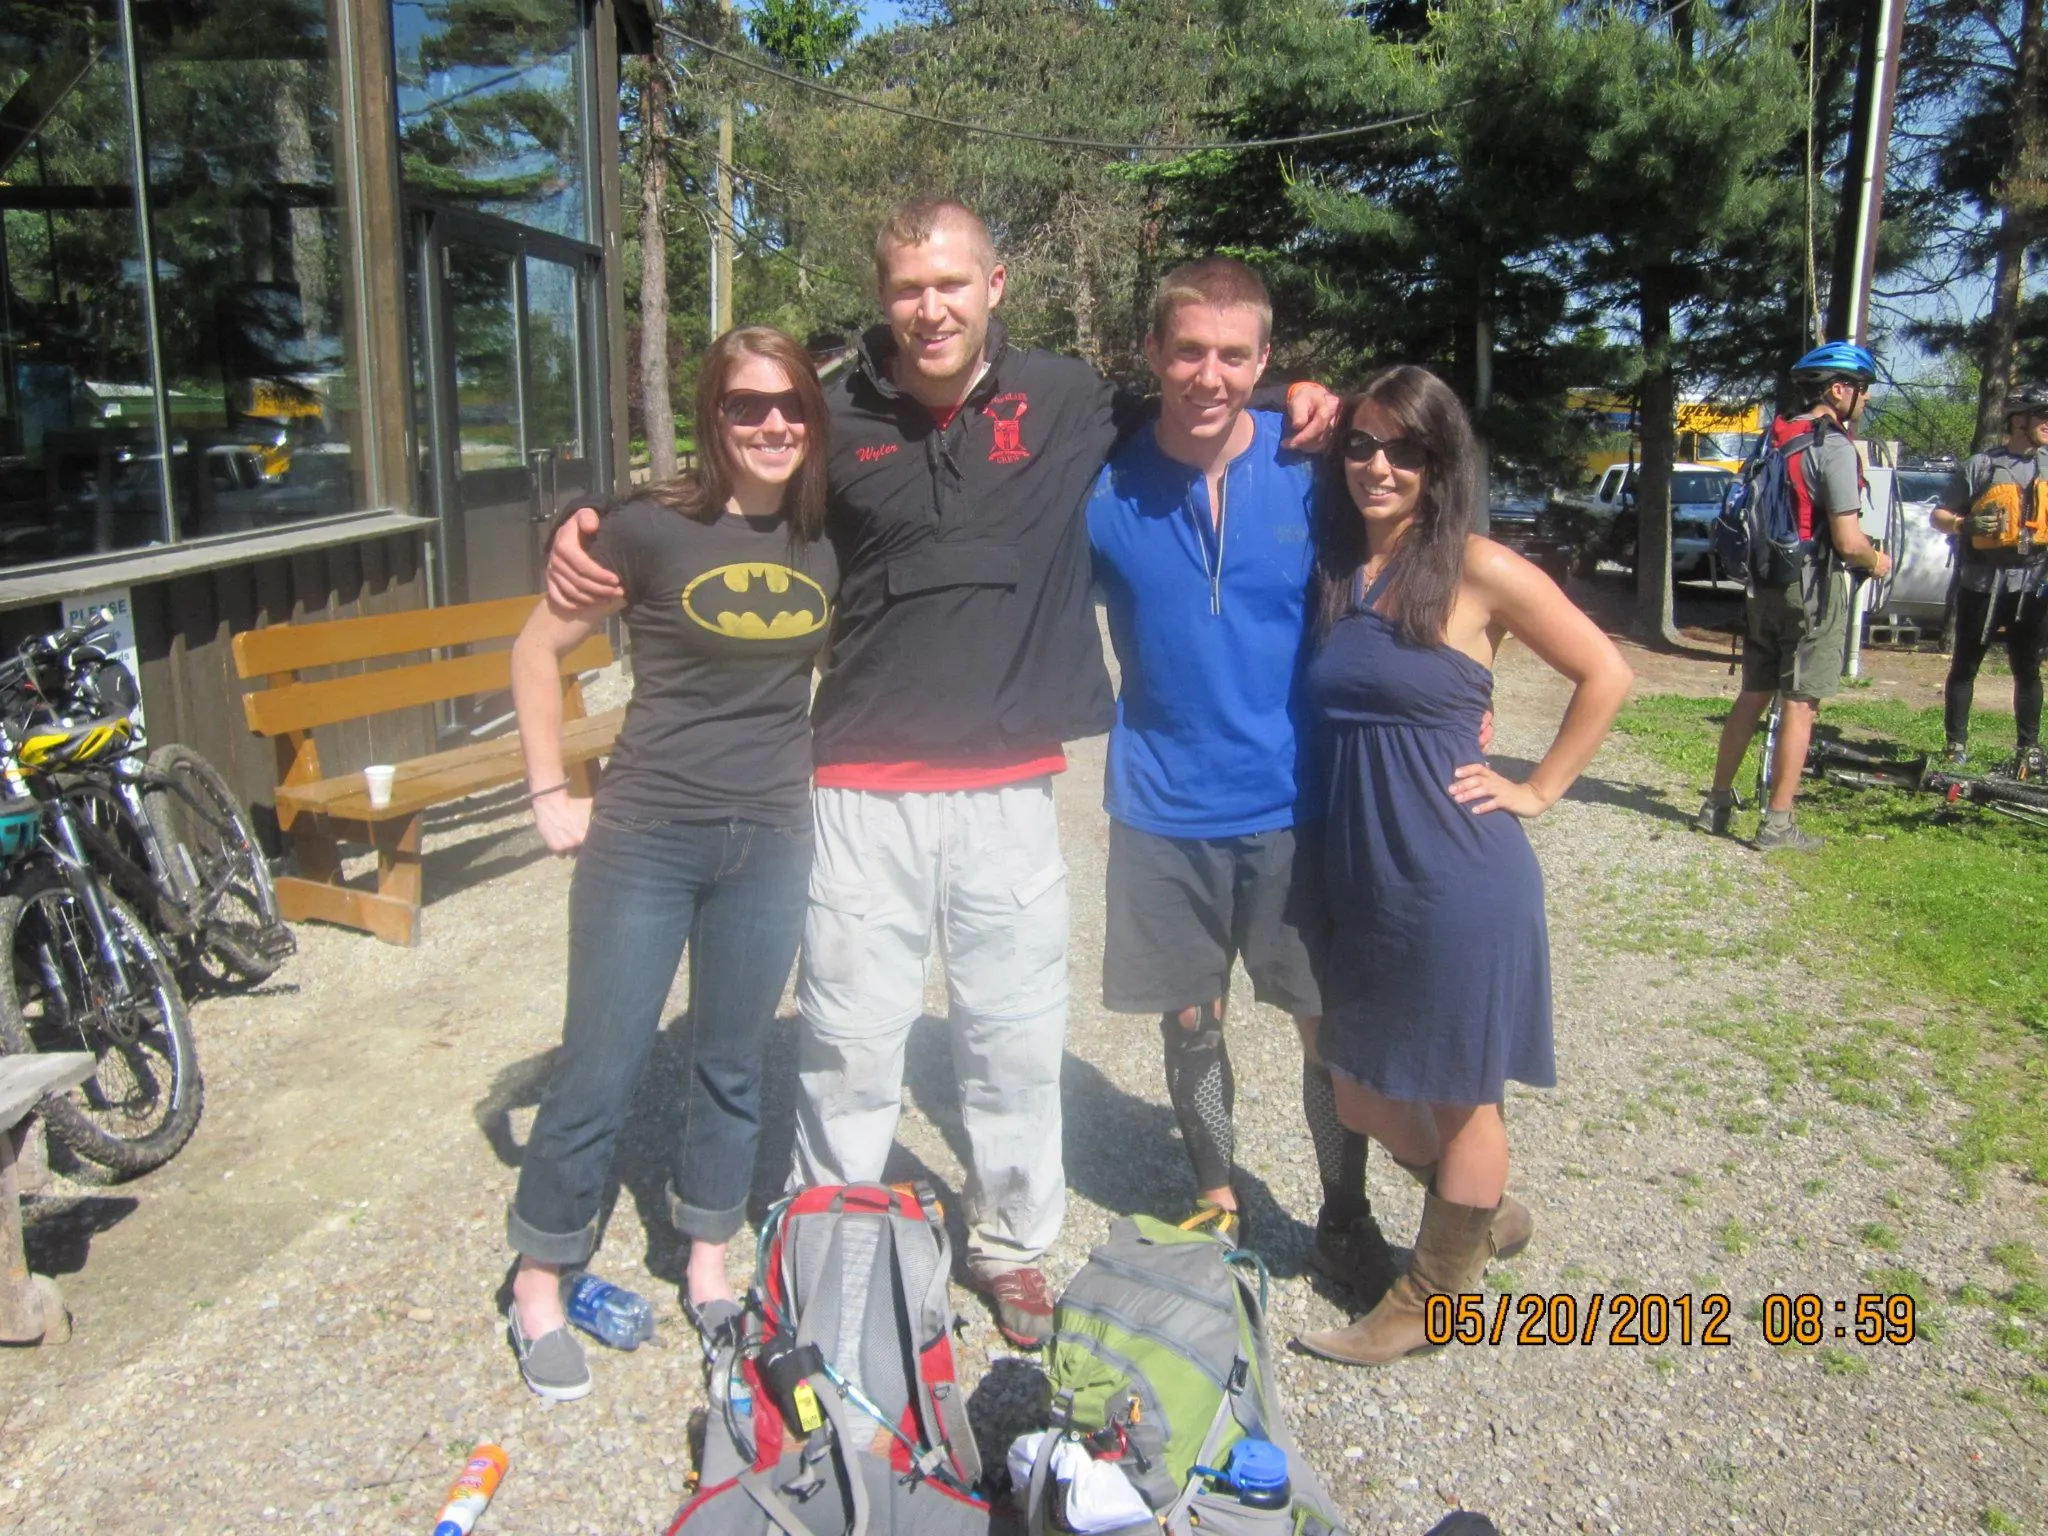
(1600, 524)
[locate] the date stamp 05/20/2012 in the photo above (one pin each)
(1632, 1319)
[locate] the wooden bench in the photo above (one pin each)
(319, 813)
(31, 1307)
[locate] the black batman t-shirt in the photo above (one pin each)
(726, 620)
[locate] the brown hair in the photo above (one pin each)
(1223, 282)
(1426, 566)
(702, 492)
(912, 221)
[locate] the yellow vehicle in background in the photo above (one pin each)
(1710, 432)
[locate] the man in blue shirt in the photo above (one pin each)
(1200, 533)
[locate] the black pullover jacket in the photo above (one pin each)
(965, 623)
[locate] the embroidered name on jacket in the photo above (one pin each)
(1006, 415)
(878, 451)
(757, 601)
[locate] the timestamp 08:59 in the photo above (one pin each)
(1629, 1319)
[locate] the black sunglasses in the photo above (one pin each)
(749, 408)
(1401, 452)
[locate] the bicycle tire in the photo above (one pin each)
(143, 1101)
(212, 846)
(1767, 751)
(2018, 791)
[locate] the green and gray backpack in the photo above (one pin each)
(1160, 1363)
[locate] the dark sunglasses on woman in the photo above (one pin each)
(1401, 452)
(749, 408)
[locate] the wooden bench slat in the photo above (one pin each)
(445, 776)
(333, 642)
(25, 1079)
(302, 706)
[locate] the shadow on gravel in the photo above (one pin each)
(458, 866)
(1645, 799)
(59, 1236)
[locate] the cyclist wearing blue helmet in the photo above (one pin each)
(1795, 639)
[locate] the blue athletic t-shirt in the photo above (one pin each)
(1208, 624)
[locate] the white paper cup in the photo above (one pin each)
(377, 778)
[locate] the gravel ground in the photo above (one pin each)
(294, 1324)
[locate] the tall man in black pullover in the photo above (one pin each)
(964, 653)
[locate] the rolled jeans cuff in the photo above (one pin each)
(705, 1226)
(565, 1248)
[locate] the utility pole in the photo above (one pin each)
(721, 240)
(1877, 84)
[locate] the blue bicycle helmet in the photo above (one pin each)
(1836, 360)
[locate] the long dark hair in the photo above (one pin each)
(1424, 570)
(702, 492)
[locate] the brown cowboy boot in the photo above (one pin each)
(1513, 1225)
(1450, 1255)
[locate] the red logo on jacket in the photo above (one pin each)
(879, 451)
(1006, 414)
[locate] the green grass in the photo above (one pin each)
(1875, 1234)
(1841, 1362)
(1918, 902)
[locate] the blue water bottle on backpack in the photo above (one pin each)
(621, 1318)
(1257, 1469)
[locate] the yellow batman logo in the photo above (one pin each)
(757, 600)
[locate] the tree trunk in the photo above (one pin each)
(2020, 196)
(1659, 416)
(659, 415)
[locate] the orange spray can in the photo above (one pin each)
(472, 1492)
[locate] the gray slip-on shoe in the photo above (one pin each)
(552, 1364)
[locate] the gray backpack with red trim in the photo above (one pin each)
(857, 1425)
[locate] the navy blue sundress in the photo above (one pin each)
(1437, 983)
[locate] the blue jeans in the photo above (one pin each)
(736, 891)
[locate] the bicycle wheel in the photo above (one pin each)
(2015, 791)
(1767, 752)
(217, 867)
(56, 994)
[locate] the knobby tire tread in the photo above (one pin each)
(67, 1120)
(243, 962)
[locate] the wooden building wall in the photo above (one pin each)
(189, 690)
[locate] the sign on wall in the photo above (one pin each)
(121, 643)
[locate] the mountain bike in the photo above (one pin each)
(165, 831)
(79, 970)
(1841, 762)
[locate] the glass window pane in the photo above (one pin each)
(78, 444)
(489, 112)
(554, 376)
(239, 113)
(481, 313)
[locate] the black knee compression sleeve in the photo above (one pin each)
(1340, 1154)
(1204, 1092)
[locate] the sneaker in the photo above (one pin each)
(1023, 1305)
(1351, 1250)
(2029, 763)
(1789, 837)
(552, 1364)
(1955, 754)
(1715, 812)
(1217, 1221)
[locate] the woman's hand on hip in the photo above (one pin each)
(1477, 785)
(562, 820)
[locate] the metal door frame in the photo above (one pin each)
(434, 227)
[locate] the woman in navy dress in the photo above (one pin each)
(1437, 984)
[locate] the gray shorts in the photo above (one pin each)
(1182, 909)
(1785, 651)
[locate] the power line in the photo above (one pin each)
(1057, 140)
